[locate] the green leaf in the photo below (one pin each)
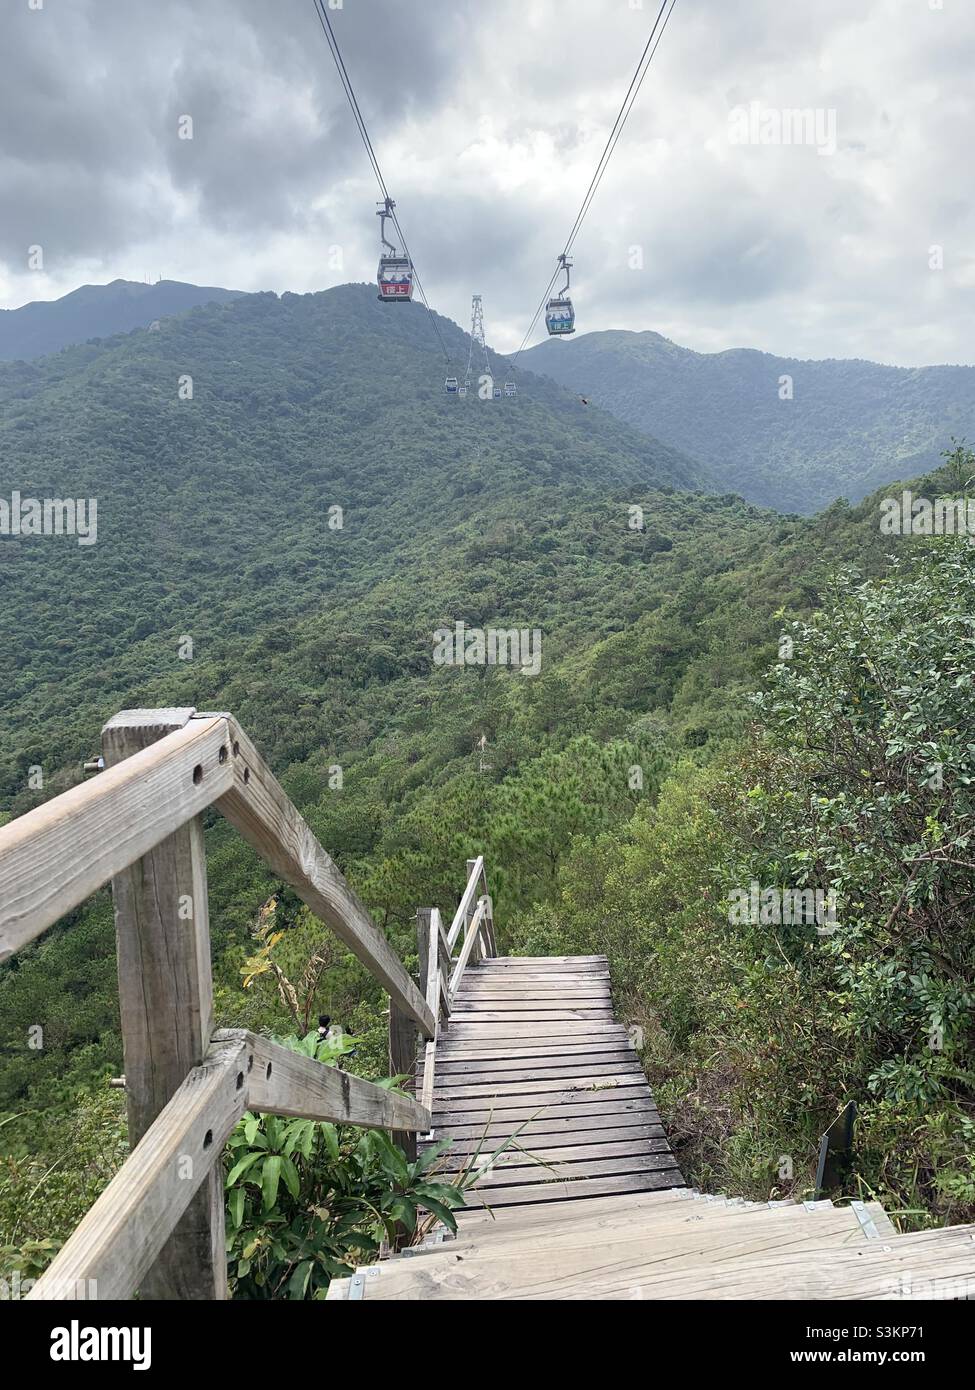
(270, 1179)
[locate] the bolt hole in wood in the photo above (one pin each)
(223, 753)
(236, 749)
(208, 1138)
(250, 1062)
(198, 774)
(247, 774)
(240, 1080)
(267, 1074)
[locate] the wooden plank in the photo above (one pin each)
(546, 962)
(57, 855)
(563, 1191)
(463, 1031)
(575, 1120)
(544, 1005)
(452, 1094)
(540, 1100)
(538, 1139)
(557, 1154)
(162, 930)
(460, 1083)
(476, 989)
(535, 1014)
(112, 1249)
(526, 1068)
(473, 1051)
(516, 1115)
(581, 1213)
(555, 1173)
(282, 1082)
(260, 809)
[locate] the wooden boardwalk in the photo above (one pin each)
(533, 1049)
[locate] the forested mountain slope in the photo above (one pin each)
(849, 427)
(96, 311)
(213, 528)
(213, 512)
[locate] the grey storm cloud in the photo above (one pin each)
(488, 117)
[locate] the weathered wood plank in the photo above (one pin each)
(546, 962)
(530, 1156)
(563, 1191)
(481, 1074)
(282, 1082)
(556, 1171)
(57, 855)
(613, 1094)
(538, 1139)
(474, 1052)
(574, 1121)
(452, 1093)
(162, 929)
(260, 809)
(536, 1029)
(117, 1242)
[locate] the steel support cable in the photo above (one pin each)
(347, 87)
(633, 91)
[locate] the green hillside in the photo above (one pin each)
(849, 428)
(213, 526)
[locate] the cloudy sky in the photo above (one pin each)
(488, 117)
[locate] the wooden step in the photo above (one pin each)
(632, 1254)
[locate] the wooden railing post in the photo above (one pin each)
(166, 1002)
(403, 1038)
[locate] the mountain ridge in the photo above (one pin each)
(849, 426)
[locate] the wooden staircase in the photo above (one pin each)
(533, 1051)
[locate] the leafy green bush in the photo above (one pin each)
(307, 1201)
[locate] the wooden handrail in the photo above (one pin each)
(138, 823)
(477, 922)
(468, 898)
(115, 1245)
(56, 856)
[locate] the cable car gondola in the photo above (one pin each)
(510, 389)
(395, 274)
(497, 393)
(560, 317)
(462, 390)
(451, 386)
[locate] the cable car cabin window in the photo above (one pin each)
(395, 279)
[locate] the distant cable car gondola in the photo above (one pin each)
(560, 317)
(510, 389)
(462, 390)
(395, 273)
(451, 386)
(497, 393)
